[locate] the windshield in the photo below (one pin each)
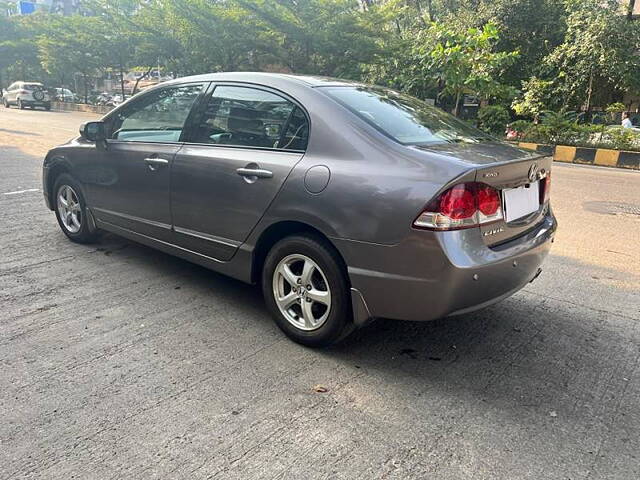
(32, 86)
(405, 119)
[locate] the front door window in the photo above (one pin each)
(158, 116)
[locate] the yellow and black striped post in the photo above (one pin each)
(587, 156)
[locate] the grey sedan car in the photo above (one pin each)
(345, 201)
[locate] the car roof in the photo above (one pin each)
(269, 79)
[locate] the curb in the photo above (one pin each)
(587, 156)
(79, 107)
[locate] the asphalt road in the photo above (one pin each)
(117, 361)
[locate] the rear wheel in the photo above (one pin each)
(5, 102)
(306, 291)
(71, 210)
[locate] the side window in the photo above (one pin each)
(248, 117)
(297, 133)
(158, 116)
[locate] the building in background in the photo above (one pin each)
(63, 7)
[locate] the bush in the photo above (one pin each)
(493, 119)
(521, 126)
(618, 138)
(559, 129)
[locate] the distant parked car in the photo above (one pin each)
(26, 94)
(65, 95)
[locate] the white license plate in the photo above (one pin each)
(522, 201)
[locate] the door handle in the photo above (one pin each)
(156, 163)
(254, 172)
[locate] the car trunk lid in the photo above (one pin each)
(517, 174)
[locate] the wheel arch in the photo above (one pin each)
(56, 166)
(279, 230)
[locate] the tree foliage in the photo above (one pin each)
(558, 53)
(464, 62)
(598, 57)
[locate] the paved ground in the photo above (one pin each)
(117, 361)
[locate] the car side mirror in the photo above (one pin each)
(93, 131)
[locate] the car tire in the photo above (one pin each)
(71, 210)
(306, 290)
(47, 108)
(20, 104)
(5, 103)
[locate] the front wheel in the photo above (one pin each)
(306, 290)
(71, 210)
(5, 103)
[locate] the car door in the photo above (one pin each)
(12, 92)
(243, 143)
(129, 185)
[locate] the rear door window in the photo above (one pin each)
(251, 117)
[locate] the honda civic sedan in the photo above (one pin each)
(345, 201)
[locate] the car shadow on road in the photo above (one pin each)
(535, 366)
(534, 339)
(19, 132)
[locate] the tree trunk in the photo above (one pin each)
(589, 94)
(122, 81)
(86, 89)
(630, 9)
(144, 75)
(420, 13)
(456, 109)
(430, 11)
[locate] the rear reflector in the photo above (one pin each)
(465, 205)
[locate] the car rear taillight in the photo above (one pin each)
(545, 189)
(465, 205)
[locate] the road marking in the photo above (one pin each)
(23, 191)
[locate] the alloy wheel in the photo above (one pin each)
(301, 292)
(69, 209)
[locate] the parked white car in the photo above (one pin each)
(26, 94)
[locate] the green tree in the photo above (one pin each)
(597, 57)
(538, 95)
(18, 53)
(464, 63)
(74, 44)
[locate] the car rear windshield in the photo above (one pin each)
(32, 86)
(405, 119)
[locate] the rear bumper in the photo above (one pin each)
(36, 103)
(435, 274)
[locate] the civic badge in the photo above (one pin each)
(490, 174)
(533, 172)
